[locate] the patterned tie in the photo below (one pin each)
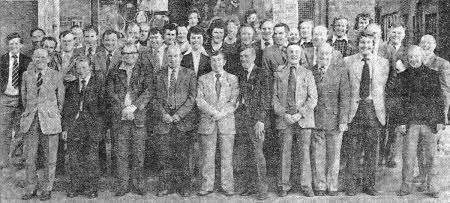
(171, 95)
(108, 60)
(15, 73)
(292, 83)
(89, 55)
(364, 88)
(39, 82)
(218, 85)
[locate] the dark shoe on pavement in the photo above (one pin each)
(319, 193)
(283, 193)
(403, 193)
(229, 193)
(121, 193)
(248, 192)
(371, 191)
(91, 194)
(350, 193)
(433, 194)
(29, 196)
(162, 193)
(422, 187)
(262, 196)
(46, 195)
(333, 193)
(204, 193)
(72, 194)
(308, 192)
(185, 193)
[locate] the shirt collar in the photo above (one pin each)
(369, 56)
(11, 55)
(251, 68)
(336, 38)
(201, 50)
(87, 78)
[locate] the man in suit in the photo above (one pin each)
(82, 121)
(430, 60)
(266, 28)
(294, 99)
(367, 115)
(77, 32)
(43, 98)
(66, 58)
(250, 119)
(12, 66)
(423, 102)
(144, 33)
(306, 32)
(176, 89)
(90, 47)
(294, 36)
(216, 99)
(129, 87)
(36, 36)
(340, 40)
(331, 117)
(196, 57)
(309, 54)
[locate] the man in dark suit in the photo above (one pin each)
(176, 89)
(36, 35)
(423, 102)
(129, 87)
(340, 40)
(196, 58)
(331, 117)
(250, 119)
(90, 47)
(266, 28)
(306, 31)
(12, 66)
(43, 98)
(82, 121)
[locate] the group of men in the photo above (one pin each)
(244, 83)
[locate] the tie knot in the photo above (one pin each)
(218, 75)
(365, 59)
(83, 81)
(14, 56)
(292, 68)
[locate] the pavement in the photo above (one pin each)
(388, 183)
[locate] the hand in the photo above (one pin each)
(343, 127)
(402, 129)
(296, 117)
(289, 119)
(399, 66)
(259, 130)
(176, 118)
(167, 118)
(64, 135)
(440, 127)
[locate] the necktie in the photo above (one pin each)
(108, 60)
(292, 82)
(89, 55)
(15, 72)
(172, 82)
(218, 85)
(39, 82)
(266, 43)
(364, 88)
(83, 88)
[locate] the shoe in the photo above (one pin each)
(319, 193)
(403, 193)
(333, 193)
(229, 193)
(162, 193)
(72, 194)
(422, 187)
(121, 193)
(308, 192)
(350, 193)
(92, 194)
(204, 193)
(46, 195)
(433, 194)
(248, 192)
(185, 193)
(391, 164)
(262, 196)
(29, 196)
(139, 191)
(283, 193)
(371, 191)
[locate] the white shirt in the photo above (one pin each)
(170, 70)
(161, 51)
(336, 38)
(10, 90)
(250, 70)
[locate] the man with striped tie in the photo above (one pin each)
(12, 66)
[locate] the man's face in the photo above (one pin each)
(246, 35)
(173, 57)
(306, 30)
(90, 38)
(110, 42)
(279, 36)
(83, 69)
(217, 35)
(217, 63)
(366, 45)
(252, 18)
(36, 38)
(396, 35)
(196, 41)
(415, 58)
(40, 58)
(170, 36)
(267, 30)
(78, 36)
(340, 28)
(319, 37)
(324, 56)
(144, 32)
(428, 45)
(193, 19)
(156, 40)
(363, 23)
(247, 58)
(133, 33)
(67, 43)
(232, 29)
(14, 45)
(129, 55)
(182, 34)
(294, 36)
(49, 45)
(293, 54)
(374, 31)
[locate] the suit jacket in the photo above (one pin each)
(208, 102)
(185, 93)
(258, 51)
(93, 106)
(380, 72)
(307, 58)
(140, 89)
(4, 70)
(204, 65)
(333, 96)
(70, 68)
(47, 104)
(305, 96)
(99, 61)
(443, 67)
(272, 58)
(149, 60)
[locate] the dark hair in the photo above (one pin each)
(12, 36)
(89, 28)
(49, 38)
(341, 18)
(194, 10)
(130, 25)
(83, 58)
(217, 53)
(37, 29)
(155, 30)
(219, 24)
(109, 32)
(363, 34)
(181, 25)
(74, 26)
(304, 21)
(397, 24)
(196, 30)
(286, 27)
(240, 30)
(170, 27)
(364, 16)
(64, 33)
(248, 13)
(264, 21)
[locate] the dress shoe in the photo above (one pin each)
(308, 192)
(204, 193)
(319, 193)
(138, 191)
(72, 194)
(248, 192)
(403, 193)
(391, 164)
(91, 194)
(433, 194)
(333, 193)
(283, 193)
(29, 196)
(46, 195)
(185, 193)
(162, 193)
(262, 196)
(422, 187)
(350, 193)
(371, 191)
(121, 193)
(228, 193)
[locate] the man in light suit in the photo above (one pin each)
(367, 115)
(12, 66)
(176, 89)
(216, 99)
(309, 54)
(331, 117)
(43, 98)
(294, 99)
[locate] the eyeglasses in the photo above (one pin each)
(128, 53)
